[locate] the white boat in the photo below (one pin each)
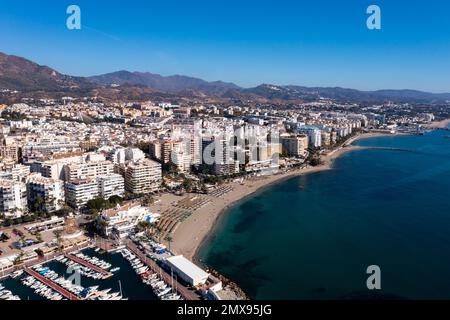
(16, 274)
(162, 292)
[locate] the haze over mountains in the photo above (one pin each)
(17, 73)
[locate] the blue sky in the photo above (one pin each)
(312, 43)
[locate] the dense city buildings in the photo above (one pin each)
(52, 155)
(135, 172)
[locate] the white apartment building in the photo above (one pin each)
(182, 160)
(18, 172)
(55, 168)
(134, 154)
(314, 134)
(79, 192)
(142, 176)
(218, 155)
(13, 198)
(88, 170)
(117, 156)
(122, 220)
(122, 155)
(45, 194)
(111, 185)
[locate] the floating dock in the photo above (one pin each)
(85, 263)
(51, 284)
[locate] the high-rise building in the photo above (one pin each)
(142, 176)
(218, 156)
(79, 192)
(314, 134)
(13, 198)
(45, 194)
(134, 154)
(294, 146)
(161, 150)
(111, 185)
(88, 170)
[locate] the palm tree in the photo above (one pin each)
(58, 235)
(169, 239)
(158, 232)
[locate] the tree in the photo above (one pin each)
(98, 204)
(316, 161)
(58, 235)
(115, 200)
(187, 184)
(38, 237)
(147, 200)
(18, 259)
(143, 226)
(169, 239)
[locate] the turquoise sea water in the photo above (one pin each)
(313, 237)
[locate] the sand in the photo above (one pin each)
(190, 235)
(439, 124)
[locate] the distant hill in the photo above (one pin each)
(293, 92)
(172, 84)
(17, 73)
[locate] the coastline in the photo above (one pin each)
(439, 124)
(197, 230)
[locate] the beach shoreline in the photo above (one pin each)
(196, 231)
(439, 124)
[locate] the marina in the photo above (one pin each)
(101, 277)
(46, 285)
(162, 289)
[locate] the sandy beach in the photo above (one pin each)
(192, 232)
(439, 124)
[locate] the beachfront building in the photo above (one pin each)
(122, 220)
(314, 134)
(326, 138)
(161, 150)
(218, 156)
(294, 145)
(141, 176)
(13, 198)
(45, 194)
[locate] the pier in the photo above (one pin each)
(51, 284)
(184, 291)
(106, 273)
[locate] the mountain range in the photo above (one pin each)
(20, 74)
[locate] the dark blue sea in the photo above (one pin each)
(313, 237)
